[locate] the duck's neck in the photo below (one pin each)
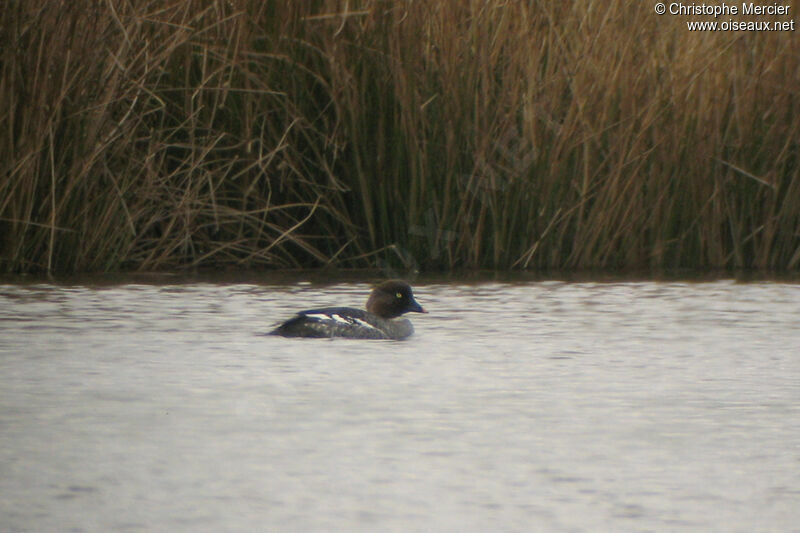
(400, 328)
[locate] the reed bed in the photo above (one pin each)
(445, 134)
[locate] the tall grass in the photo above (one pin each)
(440, 134)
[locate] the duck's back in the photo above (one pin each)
(343, 322)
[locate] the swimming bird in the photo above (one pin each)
(387, 302)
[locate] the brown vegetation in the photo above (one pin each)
(500, 134)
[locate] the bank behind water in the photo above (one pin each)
(418, 136)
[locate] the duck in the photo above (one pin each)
(387, 302)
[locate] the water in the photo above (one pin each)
(539, 406)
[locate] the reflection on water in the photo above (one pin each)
(545, 406)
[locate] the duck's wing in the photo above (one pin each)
(332, 322)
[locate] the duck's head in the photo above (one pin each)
(391, 299)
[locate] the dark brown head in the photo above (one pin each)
(391, 299)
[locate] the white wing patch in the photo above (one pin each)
(342, 324)
(364, 323)
(319, 316)
(340, 319)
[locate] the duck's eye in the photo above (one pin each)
(399, 295)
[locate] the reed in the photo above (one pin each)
(437, 135)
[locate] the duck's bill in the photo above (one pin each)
(416, 308)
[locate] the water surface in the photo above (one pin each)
(539, 406)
